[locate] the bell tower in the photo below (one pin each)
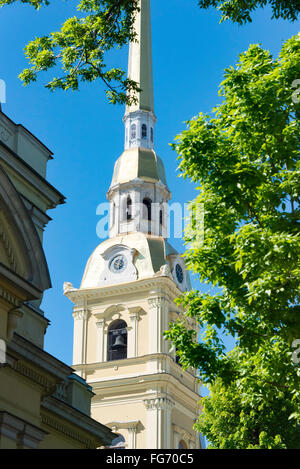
(126, 298)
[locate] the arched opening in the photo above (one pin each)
(117, 443)
(144, 131)
(152, 134)
(160, 222)
(160, 217)
(147, 209)
(117, 340)
(133, 131)
(128, 208)
(113, 214)
(182, 445)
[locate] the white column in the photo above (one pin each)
(80, 330)
(131, 437)
(100, 340)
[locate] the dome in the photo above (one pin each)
(141, 163)
(144, 256)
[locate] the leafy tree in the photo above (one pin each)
(253, 410)
(81, 45)
(245, 160)
(239, 11)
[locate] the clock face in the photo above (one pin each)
(179, 273)
(118, 264)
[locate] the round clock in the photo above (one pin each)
(179, 273)
(118, 264)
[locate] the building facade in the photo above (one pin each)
(126, 298)
(43, 403)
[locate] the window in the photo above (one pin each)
(144, 131)
(129, 208)
(152, 134)
(133, 132)
(147, 209)
(113, 215)
(182, 445)
(161, 217)
(117, 340)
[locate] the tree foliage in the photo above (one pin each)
(245, 159)
(80, 47)
(239, 11)
(253, 410)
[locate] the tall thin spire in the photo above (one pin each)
(140, 67)
(139, 117)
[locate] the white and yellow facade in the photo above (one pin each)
(126, 298)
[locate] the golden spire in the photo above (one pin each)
(140, 59)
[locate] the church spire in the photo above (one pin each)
(140, 59)
(139, 117)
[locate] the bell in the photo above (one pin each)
(119, 342)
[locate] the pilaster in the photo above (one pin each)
(158, 422)
(158, 322)
(100, 340)
(80, 316)
(133, 332)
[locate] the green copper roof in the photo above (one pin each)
(139, 163)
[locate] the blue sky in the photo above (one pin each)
(190, 51)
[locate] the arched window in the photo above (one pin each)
(133, 132)
(117, 443)
(144, 131)
(113, 214)
(152, 134)
(147, 209)
(161, 217)
(117, 340)
(182, 445)
(128, 208)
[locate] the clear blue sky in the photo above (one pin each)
(190, 51)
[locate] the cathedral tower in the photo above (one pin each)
(126, 298)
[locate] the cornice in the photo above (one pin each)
(132, 361)
(142, 380)
(10, 298)
(34, 376)
(74, 417)
(130, 424)
(23, 170)
(55, 424)
(38, 357)
(166, 284)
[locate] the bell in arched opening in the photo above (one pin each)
(117, 340)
